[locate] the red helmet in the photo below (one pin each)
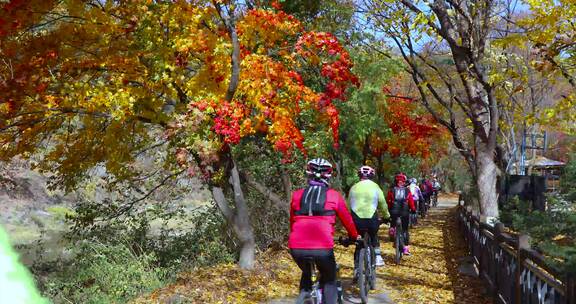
(400, 177)
(366, 172)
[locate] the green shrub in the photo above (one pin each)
(553, 232)
(568, 180)
(105, 274)
(207, 243)
(116, 259)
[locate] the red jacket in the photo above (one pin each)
(317, 232)
(390, 200)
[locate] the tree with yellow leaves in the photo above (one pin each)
(95, 83)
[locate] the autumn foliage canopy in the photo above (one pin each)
(104, 80)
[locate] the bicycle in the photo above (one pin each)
(315, 295)
(434, 199)
(422, 208)
(399, 241)
(414, 216)
(366, 267)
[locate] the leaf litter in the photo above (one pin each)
(429, 275)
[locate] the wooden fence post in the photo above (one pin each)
(482, 225)
(571, 289)
(523, 246)
(499, 228)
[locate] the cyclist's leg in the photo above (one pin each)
(373, 232)
(393, 218)
(301, 257)
(405, 226)
(361, 227)
(326, 264)
(374, 241)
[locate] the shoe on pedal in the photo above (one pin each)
(379, 261)
(406, 250)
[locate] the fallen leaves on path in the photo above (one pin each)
(275, 276)
(430, 275)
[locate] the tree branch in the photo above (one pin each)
(262, 189)
(229, 21)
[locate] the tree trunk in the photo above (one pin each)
(287, 183)
(366, 150)
(380, 170)
(486, 180)
(238, 219)
(242, 223)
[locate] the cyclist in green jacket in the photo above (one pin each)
(365, 198)
(16, 283)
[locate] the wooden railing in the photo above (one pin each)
(513, 272)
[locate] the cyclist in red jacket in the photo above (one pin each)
(400, 204)
(313, 212)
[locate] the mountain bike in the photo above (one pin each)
(366, 267)
(315, 295)
(399, 240)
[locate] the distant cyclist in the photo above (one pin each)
(427, 190)
(400, 204)
(435, 186)
(16, 283)
(365, 199)
(313, 212)
(416, 193)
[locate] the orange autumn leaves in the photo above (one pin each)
(168, 65)
(413, 133)
(273, 91)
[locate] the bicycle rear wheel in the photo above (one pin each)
(398, 243)
(398, 254)
(363, 274)
(372, 268)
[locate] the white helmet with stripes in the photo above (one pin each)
(319, 169)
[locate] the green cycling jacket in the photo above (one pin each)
(365, 197)
(16, 283)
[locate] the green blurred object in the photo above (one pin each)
(16, 283)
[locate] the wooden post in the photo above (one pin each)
(482, 225)
(499, 228)
(571, 289)
(523, 245)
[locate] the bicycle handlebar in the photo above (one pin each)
(346, 241)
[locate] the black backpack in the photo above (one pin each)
(400, 205)
(313, 202)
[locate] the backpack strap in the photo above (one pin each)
(313, 202)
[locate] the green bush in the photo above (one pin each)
(103, 273)
(182, 238)
(116, 259)
(208, 243)
(568, 180)
(553, 232)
